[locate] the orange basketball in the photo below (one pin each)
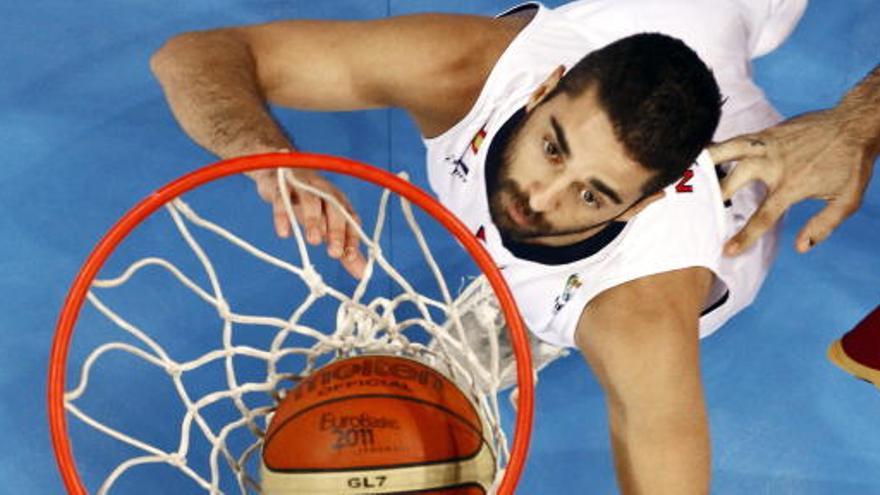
(377, 424)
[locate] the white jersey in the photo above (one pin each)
(688, 227)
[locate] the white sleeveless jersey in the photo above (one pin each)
(688, 227)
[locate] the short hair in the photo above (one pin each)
(663, 101)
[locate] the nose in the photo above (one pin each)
(546, 196)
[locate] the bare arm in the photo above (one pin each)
(862, 109)
(218, 84)
(642, 341)
(212, 88)
(828, 154)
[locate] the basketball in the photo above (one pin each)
(377, 424)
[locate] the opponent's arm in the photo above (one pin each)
(218, 83)
(642, 341)
(828, 154)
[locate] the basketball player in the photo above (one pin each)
(570, 144)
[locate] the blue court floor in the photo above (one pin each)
(85, 134)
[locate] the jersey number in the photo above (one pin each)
(683, 186)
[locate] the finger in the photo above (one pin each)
(745, 171)
(267, 189)
(279, 216)
(738, 148)
(764, 218)
(355, 264)
(354, 261)
(336, 226)
(269, 193)
(309, 210)
(822, 225)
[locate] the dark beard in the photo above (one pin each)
(500, 186)
(506, 192)
(538, 226)
(502, 190)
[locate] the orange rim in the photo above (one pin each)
(78, 291)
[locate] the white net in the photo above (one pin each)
(457, 334)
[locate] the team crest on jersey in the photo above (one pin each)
(572, 284)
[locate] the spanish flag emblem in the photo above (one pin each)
(477, 141)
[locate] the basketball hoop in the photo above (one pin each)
(362, 327)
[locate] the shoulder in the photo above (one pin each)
(671, 299)
(688, 221)
(456, 54)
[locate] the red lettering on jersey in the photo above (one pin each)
(683, 186)
(481, 234)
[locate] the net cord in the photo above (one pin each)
(353, 329)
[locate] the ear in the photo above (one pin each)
(545, 88)
(640, 205)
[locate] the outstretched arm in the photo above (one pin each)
(218, 84)
(642, 341)
(828, 154)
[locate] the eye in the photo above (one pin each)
(550, 150)
(589, 198)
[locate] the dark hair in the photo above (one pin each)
(662, 100)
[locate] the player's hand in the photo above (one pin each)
(321, 221)
(809, 156)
